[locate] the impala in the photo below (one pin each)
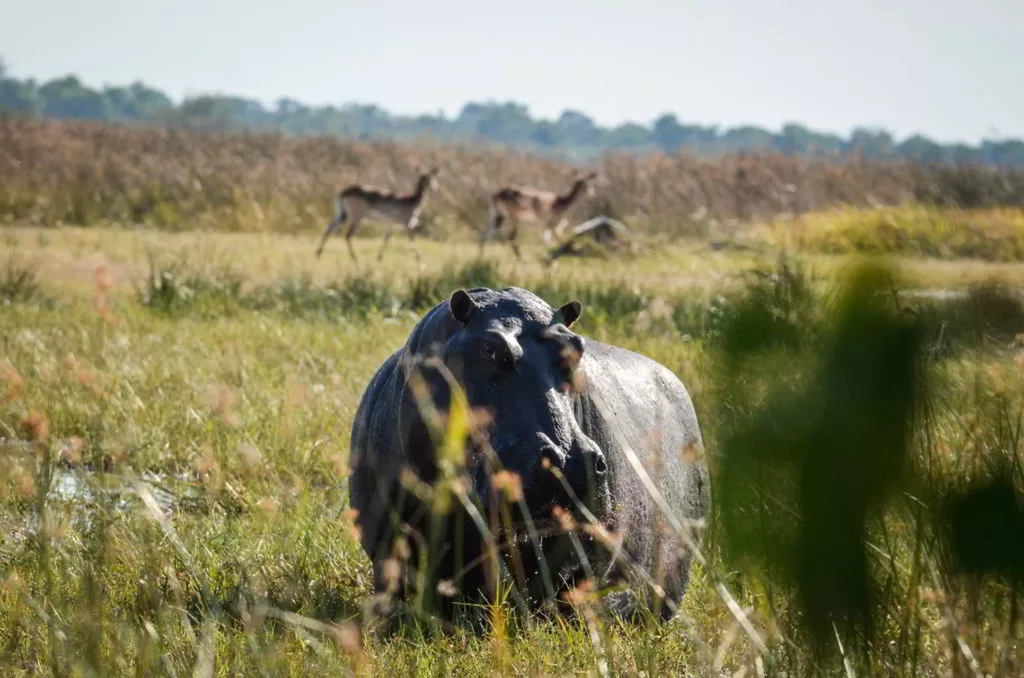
(358, 202)
(527, 205)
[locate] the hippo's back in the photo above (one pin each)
(376, 446)
(635, 404)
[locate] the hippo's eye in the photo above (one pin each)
(497, 354)
(490, 351)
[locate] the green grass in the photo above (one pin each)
(227, 388)
(917, 230)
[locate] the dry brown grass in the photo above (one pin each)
(85, 173)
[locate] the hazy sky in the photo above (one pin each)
(952, 70)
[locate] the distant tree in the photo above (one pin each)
(921, 149)
(573, 135)
(668, 133)
(671, 135)
(747, 139)
(828, 144)
(546, 134)
(576, 129)
(963, 154)
(68, 98)
(433, 125)
(873, 144)
(629, 135)
(137, 102)
(207, 113)
(1009, 152)
(794, 140)
(20, 95)
(505, 122)
(369, 119)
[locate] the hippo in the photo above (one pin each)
(584, 457)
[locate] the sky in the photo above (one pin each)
(951, 70)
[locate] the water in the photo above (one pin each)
(81, 487)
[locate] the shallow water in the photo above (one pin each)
(85, 487)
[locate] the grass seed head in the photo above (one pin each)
(564, 518)
(349, 637)
(36, 426)
(13, 382)
(268, 505)
(72, 452)
(509, 484)
(581, 594)
(391, 570)
(691, 454)
(26, 486)
(340, 465)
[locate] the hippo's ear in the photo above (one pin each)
(568, 314)
(461, 306)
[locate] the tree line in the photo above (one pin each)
(572, 135)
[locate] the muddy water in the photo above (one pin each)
(78, 487)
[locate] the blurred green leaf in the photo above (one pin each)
(804, 464)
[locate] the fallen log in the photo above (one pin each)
(606, 233)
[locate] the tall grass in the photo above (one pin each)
(176, 286)
(85, 173)
(991, 235)
(172, 499)
(18, 281)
